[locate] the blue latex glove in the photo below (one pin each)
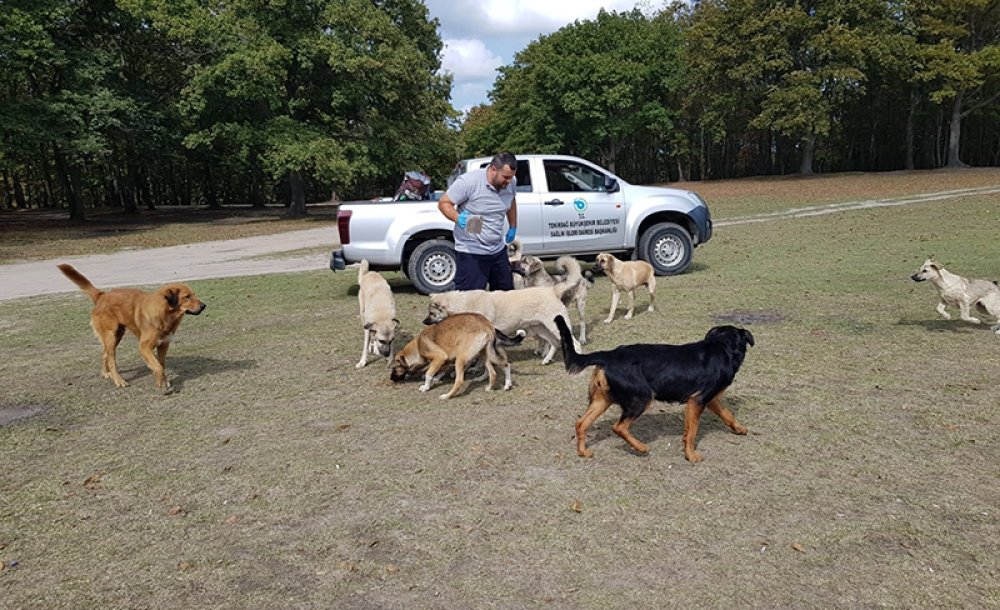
(511, 232)
(462, 219)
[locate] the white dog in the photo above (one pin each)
(962, 292)
(378, 314)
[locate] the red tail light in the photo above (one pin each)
(344, 226)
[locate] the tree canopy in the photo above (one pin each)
(137, 103)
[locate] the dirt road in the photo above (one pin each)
(280, 253)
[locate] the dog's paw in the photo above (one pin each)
(360, 365)
(424, 387)
(628, 316)
(444, 396)
(508, 386)
(693, 456)
(608, 321)
(738, 429)
(585, 453)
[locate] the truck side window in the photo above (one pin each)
(572, 177)
(523, 177)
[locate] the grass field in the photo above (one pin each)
(279, 476)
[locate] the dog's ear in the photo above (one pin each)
(396, 322)
(369, 325)
(747, 336)
(172, 295)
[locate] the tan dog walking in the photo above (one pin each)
(153, 317)
(626, 276)
(378, 315)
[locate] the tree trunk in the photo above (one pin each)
(256, 200)
(19, 197)
(955, 133)
(808, 152)
(911, 118)
(680, 171)
(297, 205)
(7, 199)
(76, 211)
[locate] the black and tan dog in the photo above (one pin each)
(151, 316)
(633, 376)
(462, 338)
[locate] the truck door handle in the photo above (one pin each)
(555, 202)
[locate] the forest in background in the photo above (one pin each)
(137, 103)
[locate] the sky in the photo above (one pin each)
(482, 35)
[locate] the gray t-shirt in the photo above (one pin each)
(472, 192)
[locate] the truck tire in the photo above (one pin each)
(667, 247)
(432, 266)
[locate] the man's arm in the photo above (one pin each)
(512, 213)
(447, 207)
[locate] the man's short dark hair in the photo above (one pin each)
(504, 159)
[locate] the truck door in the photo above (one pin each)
(529, 210)
(578, 213)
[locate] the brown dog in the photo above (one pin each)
(461, 338)
(153, 317)
(626, 276)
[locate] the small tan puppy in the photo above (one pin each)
(962, 292)
(626, 276)
(378, 314)
(461, 338)
(151, 316)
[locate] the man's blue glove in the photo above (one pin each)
(511, 232)
(462, 219)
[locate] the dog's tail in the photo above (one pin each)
(574, 360)
(362, 269)
(507, 341)
(573, 278)
(81, 282)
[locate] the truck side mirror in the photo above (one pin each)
(610, 184)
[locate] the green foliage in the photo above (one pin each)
(587, 89)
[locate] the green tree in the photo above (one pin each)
(794, 64)
(593, 88)
(332, 90)
(959, 53)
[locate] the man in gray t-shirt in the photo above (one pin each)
(478, 202)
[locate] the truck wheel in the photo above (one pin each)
(432, 265)
(667, 247)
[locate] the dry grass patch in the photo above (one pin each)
(278, 476)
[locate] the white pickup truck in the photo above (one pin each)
(565, 205)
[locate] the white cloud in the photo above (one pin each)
(535, 16)
(469, 59)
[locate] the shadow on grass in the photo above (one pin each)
(186, 368)
(651, 428)
(941, 325)
(398, 286)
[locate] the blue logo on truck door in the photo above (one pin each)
(580, 205)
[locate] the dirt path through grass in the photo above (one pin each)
(304, 250)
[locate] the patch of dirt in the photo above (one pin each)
(10, 414)
(746, 316)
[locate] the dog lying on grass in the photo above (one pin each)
(378, 314)
(962, 292)
(460, 338)
(633, 376)
(153, 317)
